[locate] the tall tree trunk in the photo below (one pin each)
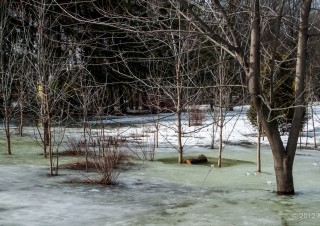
(284, 167)
(221, 92)
(281, 165)
(178, 70)
(283, 158)
(301, 68)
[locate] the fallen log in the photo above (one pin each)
(200, 159)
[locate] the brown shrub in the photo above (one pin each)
(110, 165)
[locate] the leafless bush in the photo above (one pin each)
(105, 155)
(109, 166)
(196, 116)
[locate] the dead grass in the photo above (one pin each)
(79, 165)
(70, 152)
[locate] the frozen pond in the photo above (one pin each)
(165, 194)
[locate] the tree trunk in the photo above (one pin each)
(283, 158)
(221, 129)
(221, 102)
(283, 167)
(21, 119)
(301, 68)
(180, 157)
(21, 108)
(313, 128)
(57, 162)
(284, 177)
(48, 127)
(7, 127)
(178, 70)
(259, 146)
(213, 112)
(179, 113)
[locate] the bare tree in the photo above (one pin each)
(55, 64)
(283, 156)
(9, 56)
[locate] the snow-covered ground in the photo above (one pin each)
(237, 128)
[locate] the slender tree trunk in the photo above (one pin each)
(157, 131)
(50, 145)
(179, 111)
(44, 119)
(220, 137)
(21, 102)
(7, 126)
(85, 115)
(21, 118)
(221, 94)
(180, 147)
(57, 162)
(213, 128)
(259, 146)
(178, 70)
(307, 129)
(313, 127)
(220, 127)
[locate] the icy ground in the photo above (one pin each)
(165, 194)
